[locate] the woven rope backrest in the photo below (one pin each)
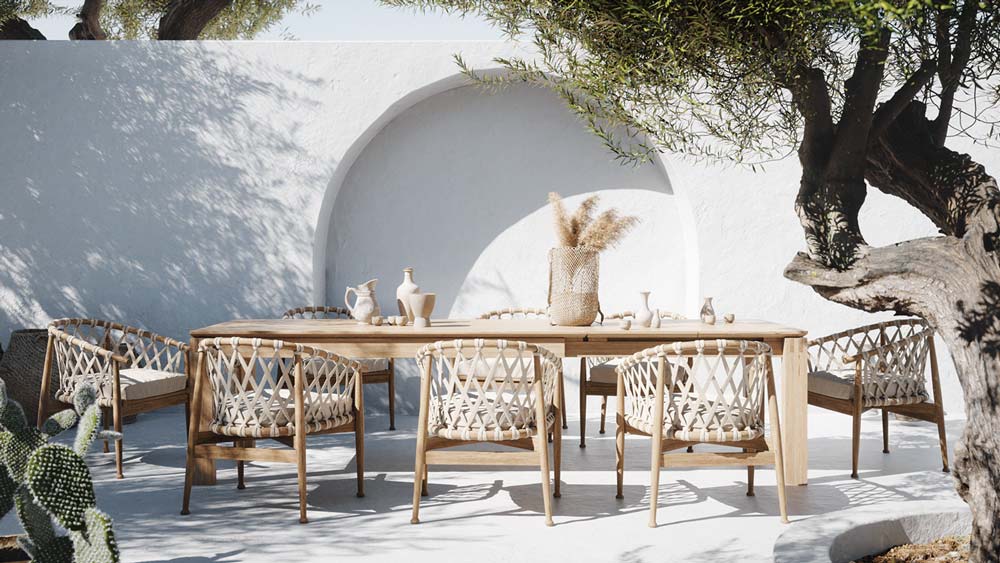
(893, 357)
(317, 313)
(515, 313)
(501, 396)
(76, 361)
(710, 386)
(253, 382)
(143, 350)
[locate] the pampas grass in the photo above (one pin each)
(582, 229)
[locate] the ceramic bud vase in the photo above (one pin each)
(644, 317)
(422, 304)
(365, 305)
(403, 293)
(707, 312)
(655, 323)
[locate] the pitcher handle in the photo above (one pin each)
(347, 301)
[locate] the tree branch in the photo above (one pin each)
(860, 94)
(186, 19)
(888, 111)
(89, 25)
(17, 28)
(952, 64)
(811, 97)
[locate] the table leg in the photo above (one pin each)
(794, 411)
(204, 468)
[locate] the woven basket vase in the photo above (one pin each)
(573, 280)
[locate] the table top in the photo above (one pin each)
(524, 329)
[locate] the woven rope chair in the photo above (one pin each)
(529, 313)
(374, 371)
(879, 366)
(515, 404)
(701, 392)
(268, 389)
(133, 370)
(598, 378)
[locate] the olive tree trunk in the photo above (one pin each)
(952, 281)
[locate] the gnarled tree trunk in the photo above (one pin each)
(952, 281)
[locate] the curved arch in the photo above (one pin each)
(425, 92)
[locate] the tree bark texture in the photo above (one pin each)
(89, 24)
(952, 281)
(17, 28)
(186, 19)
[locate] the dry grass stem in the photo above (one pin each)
(582, 229)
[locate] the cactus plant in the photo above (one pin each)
(48, 483)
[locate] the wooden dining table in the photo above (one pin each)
(350, 338)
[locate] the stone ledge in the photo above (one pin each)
(847, 535)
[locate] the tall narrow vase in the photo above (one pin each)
(708, 312)
(643, 316)
(403, 293)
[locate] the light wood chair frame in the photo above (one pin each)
(873, 351)
(429, 447)
(601, 389)
(206, 444)
(105, 361)
(755, 452)
(377, 377)
(529, 313)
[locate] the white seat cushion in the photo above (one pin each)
(143, 383)
(838, 385)
(604, 373)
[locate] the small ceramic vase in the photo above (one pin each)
(626, 324)
(422, 304)
(401, 320)
(707, 312)
(377, 320)
(656, 319)
(643, 317)
(365, 305)
(404, 291)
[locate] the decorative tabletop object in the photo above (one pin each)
(403, 292)
(708, 312)
(655, 321)
(422, 304)
(643, 316)
(574, 266)
(729, 318)
(365, 305)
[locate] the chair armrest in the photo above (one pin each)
(87, 347)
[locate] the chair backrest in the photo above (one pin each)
(503, 395)
(253, 383)
(317, 313)
(710, 386)
(515, 313)
(85, 349)
(892, 356)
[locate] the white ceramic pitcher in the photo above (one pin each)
(365, 305)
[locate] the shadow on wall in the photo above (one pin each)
(142, 192)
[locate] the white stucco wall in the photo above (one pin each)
(177, 185)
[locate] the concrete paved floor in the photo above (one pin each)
(491, 514)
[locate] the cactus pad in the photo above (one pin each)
(60, 482)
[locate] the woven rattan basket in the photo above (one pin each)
(21, 368)
(574, 272)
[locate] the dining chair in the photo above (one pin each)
(374, 371)
(268, 389)
(878, 366)
(598, 378)
(133, 370)
(701, 392)
(530, 313)
(515, 404)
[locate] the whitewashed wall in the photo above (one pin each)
(177, 185)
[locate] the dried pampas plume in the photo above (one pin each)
(581, 229)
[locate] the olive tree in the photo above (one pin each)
(152, 19)
(868, 93)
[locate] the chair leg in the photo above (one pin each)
(420, 465)
(188, 481)
(855, 438)
(423, 482)
(656, 459)
(359, 449)
(583, 408)
(942, 439)
(105, 424)
(562, 400)
(557, 459)
(392, 396)
(885, 431)
(620, 443)
(117, 414)
(543, 461)
(690, 449)
(241, 465)
(300, 458)
(604, 411)
(750, 476)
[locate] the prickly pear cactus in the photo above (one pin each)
(50, 482)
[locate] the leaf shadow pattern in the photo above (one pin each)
(980, 323)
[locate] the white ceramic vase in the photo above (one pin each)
(403, 293)
(644, 317)
(422, 305)
(365, 305)
(708, 312)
